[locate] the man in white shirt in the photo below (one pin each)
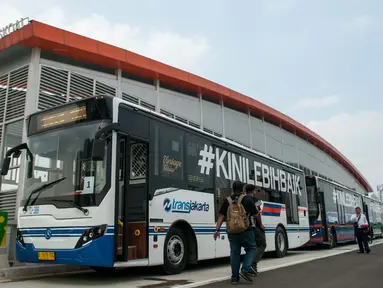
(360, 221)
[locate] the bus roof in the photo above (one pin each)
(69, 44)
(337, 184)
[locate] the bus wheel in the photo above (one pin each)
(175, 252)
(280, 243)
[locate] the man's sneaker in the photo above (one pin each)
(246, 276)
(234, 281)
(254, 270)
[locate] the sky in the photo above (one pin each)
(319, 62)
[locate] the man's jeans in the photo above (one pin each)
(237, 241)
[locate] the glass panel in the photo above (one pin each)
(13, 137)
(67, 153)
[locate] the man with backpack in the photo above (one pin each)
(236, 210)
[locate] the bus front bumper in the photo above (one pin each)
(99, 252)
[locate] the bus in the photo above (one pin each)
(331, 206)
(373, 210)
(111, 184)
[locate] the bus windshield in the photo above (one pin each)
(66, 152)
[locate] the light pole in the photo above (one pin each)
(380, 190)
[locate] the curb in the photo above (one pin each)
(39, 270)
(220, 279)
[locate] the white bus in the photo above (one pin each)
(110, 184)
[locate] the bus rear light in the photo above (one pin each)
(155, 246)
(91, 234)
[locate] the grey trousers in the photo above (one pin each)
(260, 241)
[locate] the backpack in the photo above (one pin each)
(236, 218)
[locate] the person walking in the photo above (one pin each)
(258, 230)
(361, 223)
(236, 210)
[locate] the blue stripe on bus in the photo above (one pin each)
(58, 231)
(271, 214)
(211, 230)
(79, 230)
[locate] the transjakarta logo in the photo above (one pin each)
(184, 206)
(234, 167)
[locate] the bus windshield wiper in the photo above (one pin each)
(39, 190)
(74, 204)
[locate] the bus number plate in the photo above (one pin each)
(46, 256)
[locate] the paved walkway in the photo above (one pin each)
(349, 270)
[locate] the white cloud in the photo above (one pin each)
(315, 102)
(359, 137)
(8, 14)
(360, 25)
(362, 22)
(184, 52)
(279, 6)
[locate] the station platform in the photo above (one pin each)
(351, 270)
(310, 266)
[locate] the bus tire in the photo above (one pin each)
(280, 243)
(175, 252)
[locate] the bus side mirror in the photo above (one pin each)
(30, 169)
(98, 150)
(5, 167)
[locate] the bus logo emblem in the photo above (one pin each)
(167, 205)
(48, 234)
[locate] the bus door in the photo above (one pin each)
(322, 209)
(132, 199)
(366, 212)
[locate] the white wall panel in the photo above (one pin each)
(273, 131)
(139, 90)
(258, 140)
(290, 154)
(212, 116)
(237, 126)
(179, 104)
(274, 147)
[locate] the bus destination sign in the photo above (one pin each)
(61, 117)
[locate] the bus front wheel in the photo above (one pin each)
(280, 243)
(175, 252)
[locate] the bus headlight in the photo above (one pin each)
(20, 237)
(315, 231)
(91, 234)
